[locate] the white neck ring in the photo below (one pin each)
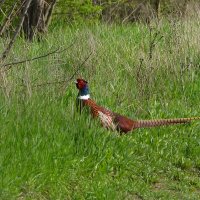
(84, 97)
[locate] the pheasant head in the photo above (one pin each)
(82, 86)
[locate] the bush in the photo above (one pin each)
(77, 11)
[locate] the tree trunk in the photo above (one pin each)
(155, 5)
(37, 18)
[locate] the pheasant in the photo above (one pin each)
(115, 121)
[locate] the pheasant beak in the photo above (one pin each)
(76, 82)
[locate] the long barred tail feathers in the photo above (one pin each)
(161, 122)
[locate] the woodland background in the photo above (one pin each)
(109, 11)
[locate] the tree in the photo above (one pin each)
(38, 17)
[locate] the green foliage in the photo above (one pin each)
(78, 10)
(86, 11)
(5, 9)
(49, 151)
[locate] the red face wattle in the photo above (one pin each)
(81, 83)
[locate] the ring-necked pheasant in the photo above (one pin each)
(116, 121)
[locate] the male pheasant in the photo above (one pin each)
(116, 121)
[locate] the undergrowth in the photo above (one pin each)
(49, 151)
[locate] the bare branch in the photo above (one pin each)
(135, 10)
(7, 20)
(70, 78)
(78, 69)
(6, 52)
(48, 17)
(30, 59)
(36, 58)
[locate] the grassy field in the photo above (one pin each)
(49, 151)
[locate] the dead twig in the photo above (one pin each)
(1, 2)
(16, 13)
(7, 50)
(29, 60)
(78, 68)
(8, 18)
(48, 17)
(36, 58)
(135, 10)
(69, 79)
(153, 41)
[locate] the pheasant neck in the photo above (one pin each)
(84, 97)
(84, 93)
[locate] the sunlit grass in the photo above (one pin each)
(49, 151)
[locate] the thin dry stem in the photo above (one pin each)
(7, 50)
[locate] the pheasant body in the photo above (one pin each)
(115, 121)
(105, 116)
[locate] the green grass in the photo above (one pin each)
(49, 151)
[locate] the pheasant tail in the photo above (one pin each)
(161, 122)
